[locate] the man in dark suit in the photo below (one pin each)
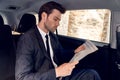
(40, 58)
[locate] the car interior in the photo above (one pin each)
(18, 16)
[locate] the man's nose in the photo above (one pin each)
(57, 23)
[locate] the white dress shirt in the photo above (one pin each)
(43, 34)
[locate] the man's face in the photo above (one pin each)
(52, 21)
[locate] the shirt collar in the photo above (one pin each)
(42, 32)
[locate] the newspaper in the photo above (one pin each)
(89, 48)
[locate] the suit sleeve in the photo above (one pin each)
(24, 69)
(64, 54)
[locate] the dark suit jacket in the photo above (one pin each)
(32, 61)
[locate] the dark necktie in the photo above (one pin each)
(47, 45)
(48, 49)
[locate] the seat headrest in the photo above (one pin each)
(1, 21)
(27, 21)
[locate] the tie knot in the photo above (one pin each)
(46, 36)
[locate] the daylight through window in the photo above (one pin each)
(91, 24)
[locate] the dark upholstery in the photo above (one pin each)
(118, 43)
(1, 21)
(5, 37)
(26, 22)
(116, 57)
(7, 53)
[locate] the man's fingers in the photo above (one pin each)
(80, 48)
(74, 63)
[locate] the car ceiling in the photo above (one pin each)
(14, 9)
(28, 5)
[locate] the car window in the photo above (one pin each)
(92, 24)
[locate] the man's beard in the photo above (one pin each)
(47, 27)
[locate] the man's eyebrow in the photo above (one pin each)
(57, 18)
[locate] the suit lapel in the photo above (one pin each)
(41, 43)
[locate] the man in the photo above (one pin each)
(38, 59)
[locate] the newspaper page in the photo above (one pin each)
(89, 48)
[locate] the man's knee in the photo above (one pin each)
(91, 74)
(84, 74)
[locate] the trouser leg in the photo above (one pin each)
(85, 74)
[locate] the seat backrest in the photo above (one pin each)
(1, 21)
(5, 37)
(7, 53)
(27, 21)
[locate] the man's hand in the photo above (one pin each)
(65, 69)
(80, 48)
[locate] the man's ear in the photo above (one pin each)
(44, 16)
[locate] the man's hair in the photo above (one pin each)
(48, 8)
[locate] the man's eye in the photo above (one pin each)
(55, 19)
